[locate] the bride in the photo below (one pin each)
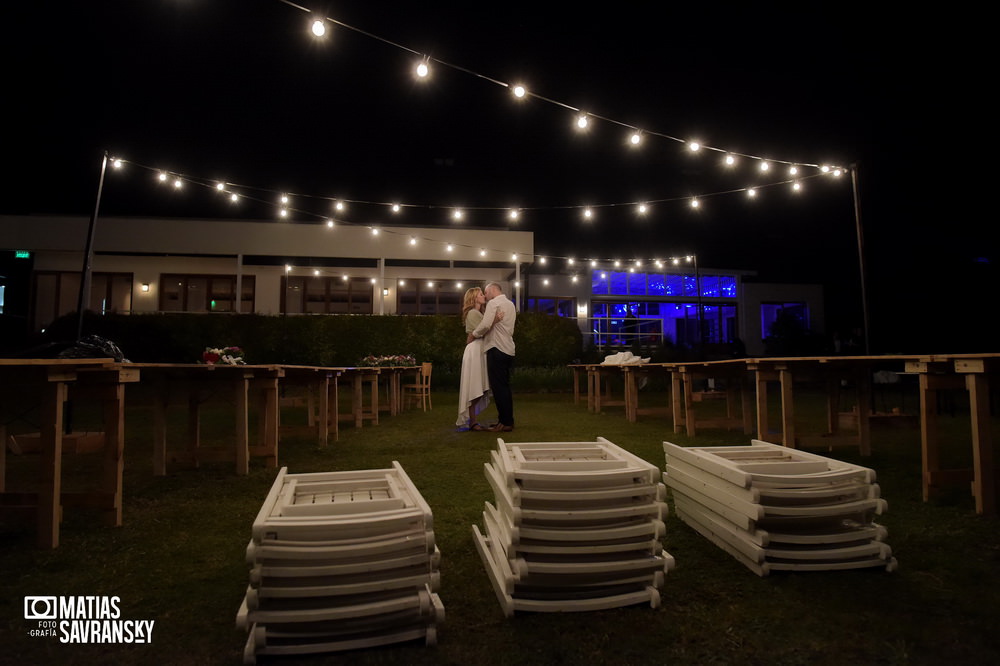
(474, 391)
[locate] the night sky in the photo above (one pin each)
(238, 90)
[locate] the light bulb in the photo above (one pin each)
(423, 70)
(636, 138)
(395, 208)
(582, 121)
(318, 28)
(519, 91)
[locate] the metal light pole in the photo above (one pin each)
(861, 254)
(88, 253)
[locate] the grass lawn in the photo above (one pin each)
(179, 559)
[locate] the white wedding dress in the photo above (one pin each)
(474, 390)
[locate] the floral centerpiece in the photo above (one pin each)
(223, 355)
(395, 360)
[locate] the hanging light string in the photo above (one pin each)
(237, 192)
(286, 210)
(582, 119)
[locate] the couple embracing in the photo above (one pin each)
(489, 357)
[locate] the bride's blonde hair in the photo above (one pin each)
(469, 302)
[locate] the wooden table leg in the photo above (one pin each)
(929, 458)
(323, 396)
(676, 398)
(269, 419)
(241, 395)
(689, 411)
(787, 409)
(762, 420)
(983, 482)
(50, 439)
(863, 382)
(114, 450)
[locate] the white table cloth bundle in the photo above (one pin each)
(339, 561)
(779, 509)
(575, 526)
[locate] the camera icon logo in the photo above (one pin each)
(40, 608)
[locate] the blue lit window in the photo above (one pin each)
(599, 282)
(710, 286)
(690, 285)
(656, 285)
(674, 285)
(637, 284)
(727, 286)
(619, 283)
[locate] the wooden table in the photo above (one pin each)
(971, 373)
(322, 397)
(734, 373)
(48, 381)
(359, 378)
(196, 383)
(633, 375)
(596, 374)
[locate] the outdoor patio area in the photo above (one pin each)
(179, 557)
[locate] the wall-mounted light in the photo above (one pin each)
(385, 292)
(145, 286)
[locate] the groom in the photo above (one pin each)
(498, 345)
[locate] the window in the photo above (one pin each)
(555, 305)
(326, 295)
(794, 314)
(428, 297)
(205, 293)
(57, 293)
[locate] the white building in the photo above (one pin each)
(143, 265)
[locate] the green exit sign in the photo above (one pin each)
(22, 254)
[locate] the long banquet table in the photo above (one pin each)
(47, 384)
(747, 397)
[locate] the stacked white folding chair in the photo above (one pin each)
(576, 526)
(339, 561)
(775, 508)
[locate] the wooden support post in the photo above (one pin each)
(984, 479)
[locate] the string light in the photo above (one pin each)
(423, 70)
(519, 91)
(636, 138)
(318, 28)
(582, 121)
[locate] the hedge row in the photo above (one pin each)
(326, 340)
